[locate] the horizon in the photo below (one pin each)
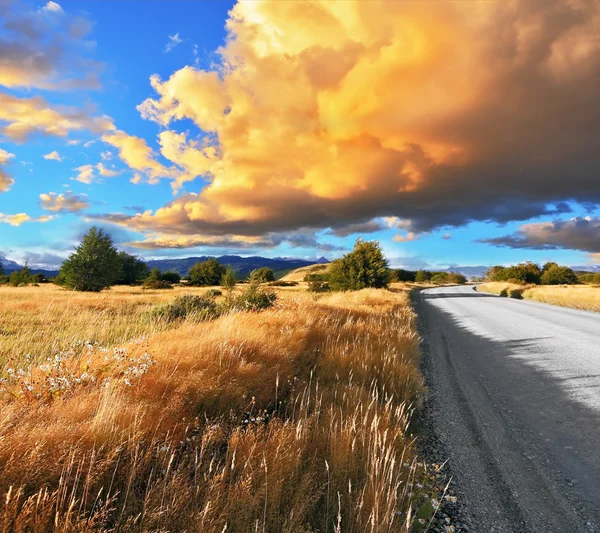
(222, 130)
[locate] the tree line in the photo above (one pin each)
(550, 273)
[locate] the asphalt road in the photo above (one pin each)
(515, 389)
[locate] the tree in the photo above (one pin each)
(456, 277)
(133, 269)
(559, 275)
(404, 275)
(1, 267)
(20, 277)
(439, 277)
(206, 273)
(262, 275)
(170, 276)
(547, 266)
(94, 265)
(364, 267)
(422, 276)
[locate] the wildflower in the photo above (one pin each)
(449, 529)
(435, 503)
(421, 521)
(451, 499)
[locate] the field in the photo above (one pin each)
(294, 419)
(585, 297)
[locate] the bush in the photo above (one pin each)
(156, 284)
(324, 276)
(523, 273)
(207, 273)
(38, 278)
(228, 279)
(456, 277)
(212, 293)
(132, 269)
(422, 276)
(404, 275)
(281, 283)
(364, 267)
(517, 294)
(557, 275)
(439, 277)
(187, 306)
(318, 286)
(170, 276)
(262, 275)
(3, 279)
(504, 293)
(254, 298)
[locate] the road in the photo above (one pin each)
(515, 389)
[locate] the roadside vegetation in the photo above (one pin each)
(552, 284)
(237, 407)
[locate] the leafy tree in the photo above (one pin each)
(365, 266)
(262, 275)
(456, 277)
(38, 278)
(1, 268)
(133, 269)
(439, 277)
(170, 276)
(94, 265)
(206, 273)
(547, 266)
(559, 275)
(20, 277)
(422, 276)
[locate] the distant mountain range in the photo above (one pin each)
(10, 266)
(242, 266)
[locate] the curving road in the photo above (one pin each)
(515, 389)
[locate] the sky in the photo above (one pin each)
(454, 133)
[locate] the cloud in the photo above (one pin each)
(89, 173)
(138, 155)
(43, 49)
(326, 114)
(580, 233)
(64, 203)
(20, 218)
(410, 236)
(359, 228)
(174, 40)
(21, 118)
(446, 236)
(6, 180)
(53, 156)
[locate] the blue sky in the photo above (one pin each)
(300, 128)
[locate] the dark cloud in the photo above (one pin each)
(581, 233)
(359, 228)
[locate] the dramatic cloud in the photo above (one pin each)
(410, 236)
(359, 228)
(53, 156)
(581, 233)
(5, 180)
(326, 114)
(64, 203)
(20, 218)
(42, 49)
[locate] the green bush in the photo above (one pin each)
(206, 273)
(132, 270)
(262, 275)
(404, 275)
(212, 293)
(170, 276)
(187, 306)
(504, 293)
(365, 266)
(422, 276)
(3, 279)
(156, 284)
(516, 294)
(557, 275)
(253, 298)
(281, 283)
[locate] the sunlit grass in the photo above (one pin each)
(291, 419)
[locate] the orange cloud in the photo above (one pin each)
(53, 156)
(5, 180)
(64, 202)
(20, 218)
(327, 114)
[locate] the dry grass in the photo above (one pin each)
(300, 273)
(583, 297)
(293, 419)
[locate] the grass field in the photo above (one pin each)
(586, 297)
(290, 419)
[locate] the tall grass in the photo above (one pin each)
(292, 419)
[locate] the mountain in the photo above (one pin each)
(467, 271)
(242, 266)
(9, 265)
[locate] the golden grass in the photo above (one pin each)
(300, 273)
(585, 297)
(294, 419)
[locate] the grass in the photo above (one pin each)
(585, 297)
(292, 419)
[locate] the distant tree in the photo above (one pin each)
(20, 277)
(262, 275)
(155, 280)
(38, 278)
(559, 275)
(439, 277)
(456, 277)
(547, 266)
(170, 276)
(422, 276)
(495, 273)
(404, 275)
(1, 268)
(228, 279)
(206, 273)
(133, 269)
(365, 266)
(94, 265)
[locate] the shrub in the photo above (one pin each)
(3, 279)
(422, 276)
(212, 293)
(156, 284)
(456, 277)
(262, 275)
(281, 283)
(170, 276)
(132, 269)
(207, 273)
(527, 272)
(324, 276)
(517, 294)
(254, 298)
(228, 279)
(364, 267)
(559, 275)
(504, 293)
(404, 275)
(439, 277)
(318, 286)
(38, 278)
(95, 264)
(187, 306)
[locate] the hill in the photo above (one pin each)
(242, 266)
(300, 273)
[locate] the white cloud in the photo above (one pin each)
(53, 156)
(52, 7)
(174, 40)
